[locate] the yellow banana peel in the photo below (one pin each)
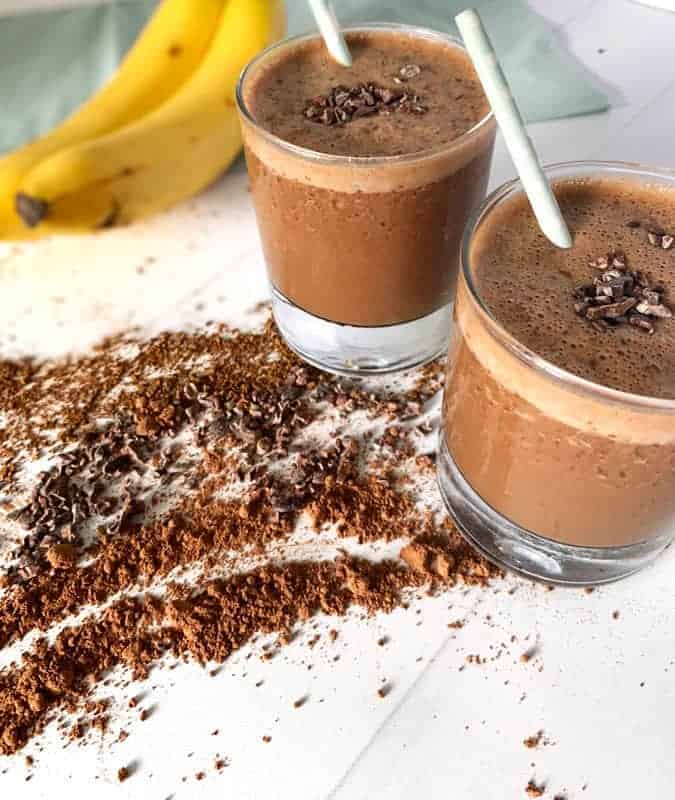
(169, 154)
(167, 52)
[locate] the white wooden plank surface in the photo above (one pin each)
(605, 694)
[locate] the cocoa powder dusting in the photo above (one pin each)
(206, 451)
(534, 789)
(122, 774)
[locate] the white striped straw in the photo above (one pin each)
(536, 186)
(329, 28)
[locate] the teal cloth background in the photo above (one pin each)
(50, 61)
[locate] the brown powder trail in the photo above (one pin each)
(202, 527)
(212, 621)
(210, 625)
(367, 510)
(56, 676)
(141, 555)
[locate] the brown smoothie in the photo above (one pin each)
(368, 232)
(585, 467)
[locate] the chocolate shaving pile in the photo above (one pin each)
(620, 296)
(197, 452)
(87, 482)
(343, 104)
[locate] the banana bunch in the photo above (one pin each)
(163, 128)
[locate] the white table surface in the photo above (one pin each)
(603, 689)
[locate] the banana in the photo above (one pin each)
(168, 155)
(167, 52)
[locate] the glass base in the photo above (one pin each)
(355, 350)
(508, 545)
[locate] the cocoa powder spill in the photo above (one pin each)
(196, 450)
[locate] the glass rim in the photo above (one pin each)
(508, 340)
(354, 161)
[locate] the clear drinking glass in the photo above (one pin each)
(568, 481)
(362, 253)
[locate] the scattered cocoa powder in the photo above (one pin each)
(62, 555)
(223, 416)
(383, 691)
(219, 618)
(534, 740)
(77, 730)
(415, 556)
(535, 790)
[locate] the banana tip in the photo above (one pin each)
(32, 210)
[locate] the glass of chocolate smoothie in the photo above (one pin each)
(363, 179)
(558, 444)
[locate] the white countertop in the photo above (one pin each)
(603, 689)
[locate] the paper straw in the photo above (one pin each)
(536, 186)
(330, 31)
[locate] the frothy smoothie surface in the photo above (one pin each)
(434, 83)
(529, 285)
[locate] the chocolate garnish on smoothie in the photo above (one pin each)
(400, 223)
(619, 295)
(343, 104)
(563, 460)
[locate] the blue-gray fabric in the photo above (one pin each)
(50, 61)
